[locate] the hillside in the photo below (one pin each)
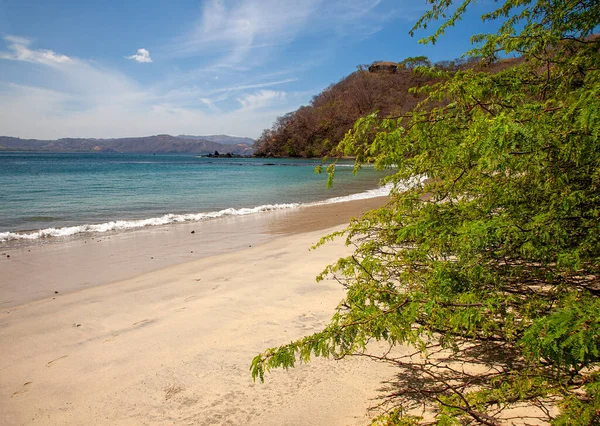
(313, 130)
(158, 144)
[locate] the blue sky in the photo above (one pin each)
(83, 68)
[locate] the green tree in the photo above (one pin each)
(416, 61)
(489, 263)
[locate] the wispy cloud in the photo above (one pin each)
(240, 87)
(246, 33)
(88, 81)
(244, 30)
(261, 99)
(78, 97)
(142, 56)
(193, 95)
(19, 51)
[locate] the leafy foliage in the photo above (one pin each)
(416, 61)
(487, 258)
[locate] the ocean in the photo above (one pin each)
(53, 195)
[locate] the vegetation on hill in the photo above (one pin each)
(383, 87)
(490, 268)
(313, 130)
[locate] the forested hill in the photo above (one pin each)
(149, 144)
(311, 131)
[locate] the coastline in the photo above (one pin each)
(85, 195)
(37, 271)
(173, 345)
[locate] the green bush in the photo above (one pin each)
(492, 262)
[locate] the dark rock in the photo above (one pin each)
(383, 66)
(193, 232)
(228, 155)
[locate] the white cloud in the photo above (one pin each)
(253, 86)
(81, 98)
(31, 112)
(240, 33)
(142, 56)
(16, 39)
(64, 88)
(20, 51)
(87, 80)
(261, 99)
(244, 31)
(247, 33)
(210, 95)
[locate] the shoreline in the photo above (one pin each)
(78, 205)
(37, 271)
(32, 236)
(173, 346)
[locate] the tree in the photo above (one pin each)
(416, 61)
(489, 263)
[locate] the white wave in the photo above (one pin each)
(371, 193)
(120, 225)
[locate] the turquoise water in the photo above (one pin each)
(57, 194)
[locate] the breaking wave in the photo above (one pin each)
(120, 225)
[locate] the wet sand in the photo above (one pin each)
(36, 271)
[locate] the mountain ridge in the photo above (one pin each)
(145, 144)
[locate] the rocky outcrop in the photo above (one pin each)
(384, 66)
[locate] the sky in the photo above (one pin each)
(113, 68)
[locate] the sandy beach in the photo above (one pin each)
(130, 340)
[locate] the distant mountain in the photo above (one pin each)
(224, 139)
(158, 144)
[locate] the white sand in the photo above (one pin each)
(174, 347)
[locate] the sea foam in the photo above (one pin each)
(120, 225)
